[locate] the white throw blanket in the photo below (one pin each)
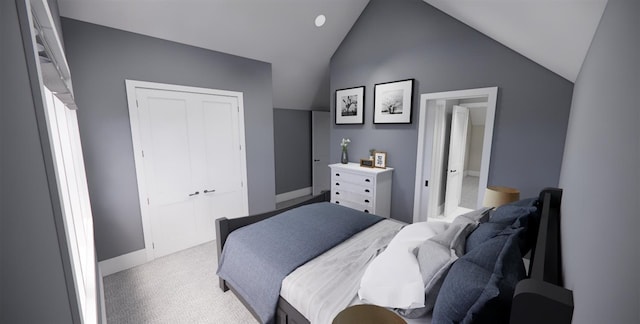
(324, 286)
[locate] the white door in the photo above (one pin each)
(438, 179)
(192, 161)
(320, 151)
(457, 147)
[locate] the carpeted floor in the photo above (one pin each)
(469, 197)
(179, 288)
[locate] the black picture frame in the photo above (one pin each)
(393, 102)
(349, 108)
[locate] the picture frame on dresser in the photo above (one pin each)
(380, 160)
(366, 163)
(349, 108)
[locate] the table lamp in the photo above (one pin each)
(496, 196)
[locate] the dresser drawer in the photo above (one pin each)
(353, 205)
(350, 187)
(365, 201)
(354, 178)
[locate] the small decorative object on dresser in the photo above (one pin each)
(366, 163)
(344, 157)
(380, 160)
(364, 189)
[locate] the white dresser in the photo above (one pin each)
(365, 189)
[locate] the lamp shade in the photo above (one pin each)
(496, 196)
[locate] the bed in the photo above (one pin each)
(537, 297)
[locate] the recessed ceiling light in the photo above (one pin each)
(320, 20)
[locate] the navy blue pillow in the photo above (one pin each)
(528, 202)
(510, 214)
(480, 285)
(482, 233)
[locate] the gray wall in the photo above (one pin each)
(101, 59)
(395, 40)
(32, 282)
(292, 143)
(600, 174)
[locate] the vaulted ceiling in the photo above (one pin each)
(554, 33)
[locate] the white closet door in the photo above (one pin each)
(457, 145)
(193, 167)
(169, 176)
(219, 163)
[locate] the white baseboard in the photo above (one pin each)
(473, 173)
(293, 194)
(123, 262)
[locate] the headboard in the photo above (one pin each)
(541, 297)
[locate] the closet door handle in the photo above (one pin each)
(195, 193)
(208, 191)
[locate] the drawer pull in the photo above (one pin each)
(337, 183)
(337, 193)
(367, 180)
(366, 200)
(337, 174)
(367, 190)
(366, 211)
(337, 202)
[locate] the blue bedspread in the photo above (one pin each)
(256, 258)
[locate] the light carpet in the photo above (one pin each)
(469, 196)
(178, 288)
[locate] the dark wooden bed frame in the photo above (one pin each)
(540, 298)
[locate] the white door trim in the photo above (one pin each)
(425, 133)
(131, 86)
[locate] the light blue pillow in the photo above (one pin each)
(435, 256)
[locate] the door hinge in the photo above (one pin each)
(142, 153)
(241, 184)
(137, 104)
(153, 246)
(148, 201)
(238, 108)
(240, 147)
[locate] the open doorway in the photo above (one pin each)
(454, 148)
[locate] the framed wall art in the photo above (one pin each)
(392, 102)
(350, 106)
